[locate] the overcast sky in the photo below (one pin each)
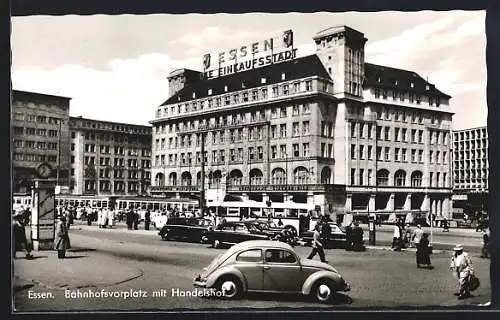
(115, 67)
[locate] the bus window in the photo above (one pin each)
(293, 212)
(233, 212)
(279, 212)
(255, 212)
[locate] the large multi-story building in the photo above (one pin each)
(40, 135)
(109, 158)
(470, 168)
(326, 129)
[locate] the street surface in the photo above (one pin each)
(139, 264)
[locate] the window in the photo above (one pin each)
(399, 178)
(416, 179)
(361, 176)
(305, 108)
(353, 176)
(283, 112)
(285, 89)
(305, 149)
(387, 154)
(264, 93)
(361, 151)
(280, 256)
(308, 85)
(383, 177)
(405, 155)
(274, 130)
(420, 136)
(396, 154)
(275, 91)
(431, 156)
(387, 134)
(263, 80)
(295, 129)
(295, 110)
(377, 93)
(379, 133)
(370, 152)
(353, 151)
(273, 152)
(370, 133)
(254, 255)
(421, 156)
(305, 128)
(397, 137)
(283, 130)
(296, 152)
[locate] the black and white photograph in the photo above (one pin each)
(319, 161)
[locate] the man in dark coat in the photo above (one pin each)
(357, 237)
(136, 220)
(348, 238)
(130, 218)
(61, 243)
(423, 252)
(20, 240)
(147, 219)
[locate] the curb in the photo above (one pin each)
(406, 250)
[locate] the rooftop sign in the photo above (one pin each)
(257, 54)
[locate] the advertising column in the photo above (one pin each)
(43, 215)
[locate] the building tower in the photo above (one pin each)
(180, 78)
(342, 52)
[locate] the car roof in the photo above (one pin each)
(261, 244)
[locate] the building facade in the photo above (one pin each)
(109, 158)
(40, 135)
(470, 168)
(327, 129)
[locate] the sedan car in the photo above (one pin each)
(272, 266)
(190, 229)
(229, 233)
(337, 237)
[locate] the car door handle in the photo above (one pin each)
(267, 267)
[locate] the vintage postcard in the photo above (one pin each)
(226, 161)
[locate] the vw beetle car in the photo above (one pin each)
(272, 266)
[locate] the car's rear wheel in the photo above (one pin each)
(292, 230)
(323, 291)
(230, 287)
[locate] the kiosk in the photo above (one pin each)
(43, 214)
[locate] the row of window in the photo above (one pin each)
(35, 132)
(35, 144)
(19, 116)
(118, 162)
(108, 186)
(412, 97)
(481, 133)
(237, 97)
(390, 114)
(115, 127)
(92, 136)
(34, 157)
(365, 177)
(106, 149)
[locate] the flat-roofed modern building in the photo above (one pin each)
(109, 158)
(471, 168)
(40, 135)
(326, 129)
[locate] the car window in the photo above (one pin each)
(228, 227)
(240, 228)
(335, 228)
(253, 255)
(280, 256)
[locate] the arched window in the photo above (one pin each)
(416, 179)
(215, 177)
(278, 176)
(172, 179)
(400, 178)
(198, 179)
(300, 175)
(256, 176)
(186, 179)
(235, 177)
(383, 177)
(326, 175)
(159, 179)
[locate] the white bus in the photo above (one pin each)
(19, 200)
(299, 216)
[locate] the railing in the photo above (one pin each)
(287, 187)
(193, 188)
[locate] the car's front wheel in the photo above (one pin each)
(323, 291)
(230, 287)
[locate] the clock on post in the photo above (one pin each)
(44, 170)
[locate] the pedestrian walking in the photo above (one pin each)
(357, 237)
(61, 243)
(129, 218)
(461, 266)
(135, 217)
(423, 252)
(111, 217)
(446, 227)
(317, 246)
(147, 219)
(417, 235)
(20, 240)
(396, 237)
(485, 250)
(348, 237)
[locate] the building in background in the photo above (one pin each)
(328, 130)
(109, 158)
(470, 170)
(40, 136)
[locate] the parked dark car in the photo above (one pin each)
(337, 237)
(229, 233)
(189, 229)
